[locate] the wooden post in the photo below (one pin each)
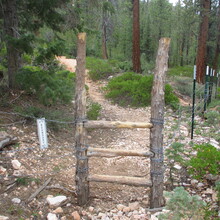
(157, 119)
(81, 178)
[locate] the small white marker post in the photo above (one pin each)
(206, 88)
(194, 98)
(42, 133)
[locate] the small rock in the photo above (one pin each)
(2, 170)
(208, 191)
(91, 209)
(58, 210)
(126, 209)
(63, 218)
(120, 207)
(200, 185)
(16, 201)
(178, 167)
(194, 182)
(76, 215)
(4, 217)
(56, 201)
(17, 173)
(51, 216)
(16, 164)
(134, 206)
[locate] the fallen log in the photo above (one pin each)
(6, 140)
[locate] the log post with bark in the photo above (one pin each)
(81, 178)
(157, 119)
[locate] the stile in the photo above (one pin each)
(157, 119)
(81, 178)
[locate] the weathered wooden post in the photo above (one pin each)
(81, 177)
(157, 119)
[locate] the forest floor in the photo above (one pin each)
(107, 201)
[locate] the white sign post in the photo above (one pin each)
(42, 133)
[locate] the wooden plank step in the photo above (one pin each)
(134, 181)
(116, 124)
(100, 152)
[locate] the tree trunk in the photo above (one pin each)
(217, 50)
(157, 119)
(11, 32)
(136, 38)
(104, 39)
(202, 41)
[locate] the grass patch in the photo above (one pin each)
(185, 71)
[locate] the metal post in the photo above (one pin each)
(194, 98)
(206, 88)
(210, 87)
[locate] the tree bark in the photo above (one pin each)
(81, 178)
(104, 39)
(202, 41)
(136, 38)
(217, 50)
(11, 32)
(157, 119)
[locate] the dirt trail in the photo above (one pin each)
(137, 139)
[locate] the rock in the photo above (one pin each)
(16, 200)
(58, 210)
(56, 201)
(17, 173)
(215, 143)
(120, 207)
(134, 206)
(51, 216)
(4, 217)
(63, 218)
(126, 209)
(194, 182)
(16, 164)
(178, 167)
(208, 191)
(2, 170)
(76, 215)
(200, 185)
(91, 209)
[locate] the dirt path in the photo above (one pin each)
(137, 139)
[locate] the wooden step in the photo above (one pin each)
(134, 181)
(116, 124)
(100, 152)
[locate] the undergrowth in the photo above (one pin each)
(48, 86)
(134, 90)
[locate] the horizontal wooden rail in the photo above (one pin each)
(100, 152)
(134, 181)
(116, 124)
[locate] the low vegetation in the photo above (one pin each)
(134, 90)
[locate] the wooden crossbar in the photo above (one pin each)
(127, 180)
(116, 124)
(100, 152)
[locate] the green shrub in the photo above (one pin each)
(49, 87)
(99, 69)
(182, 205)
(207, 161)
(94, 111)
(135, 90)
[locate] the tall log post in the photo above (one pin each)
(81, 178)
(157, 119)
